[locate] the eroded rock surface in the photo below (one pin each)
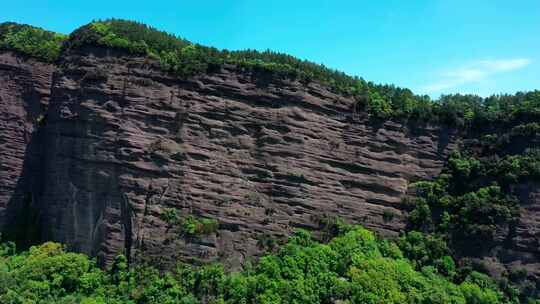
(121, 143)
(126, 141)
(24, 93)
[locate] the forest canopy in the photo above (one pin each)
(354, 267)
(31, 41)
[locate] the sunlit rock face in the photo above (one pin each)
(125, 142)
(96, 148)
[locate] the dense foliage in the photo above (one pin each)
(31, 41)
(474, 204)
(185, 58)
(473, 195)
(352, 268)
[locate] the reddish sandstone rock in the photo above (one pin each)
(126, 141)
(24, 93)
(121, 142)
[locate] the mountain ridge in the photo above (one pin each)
(185, 59)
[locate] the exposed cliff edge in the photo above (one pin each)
(99, 146)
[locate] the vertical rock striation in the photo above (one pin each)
(24, 93)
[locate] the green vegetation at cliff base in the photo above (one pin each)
(354, 267)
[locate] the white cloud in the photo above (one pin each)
(475, 72)
(505, 64)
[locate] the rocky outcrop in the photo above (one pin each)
(125, 142)
(519, 252)
(122, 143)
(24, 93)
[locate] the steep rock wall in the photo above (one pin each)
(122, 142)
(521, 249)
(24, 93)
(126, 141)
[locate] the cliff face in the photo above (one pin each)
(24, 93)
(522, 250)
(123, 143)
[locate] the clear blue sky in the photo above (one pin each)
(434, 47)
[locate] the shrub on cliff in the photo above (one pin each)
(189, 225)
(193, 226)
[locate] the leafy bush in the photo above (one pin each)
(170, 216)
(424, 249)
(31, 41)
(192, 226)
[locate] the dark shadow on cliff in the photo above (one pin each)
(23, 212)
